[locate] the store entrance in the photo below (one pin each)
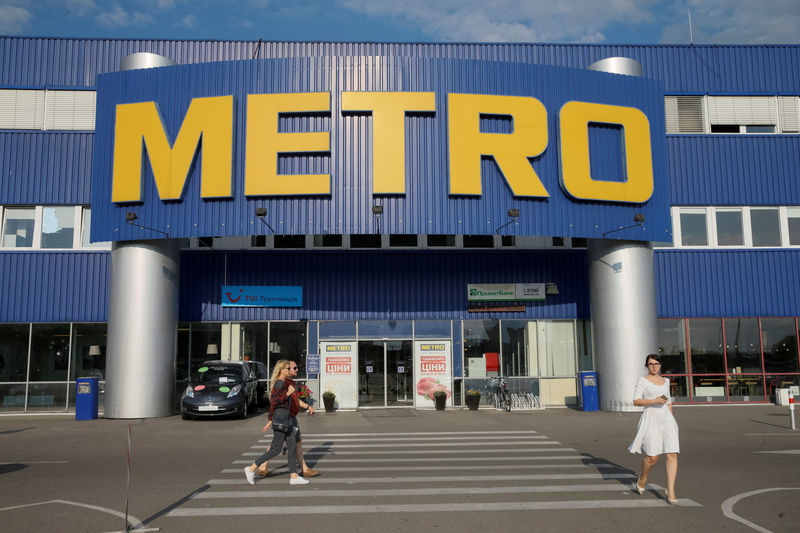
(385, 373)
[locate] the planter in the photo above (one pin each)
(328, 404)
(440, 402)
(473, 401)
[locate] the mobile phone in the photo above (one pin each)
(663, 396)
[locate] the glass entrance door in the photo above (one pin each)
(385, 373)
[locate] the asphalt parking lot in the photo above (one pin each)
(402, 470)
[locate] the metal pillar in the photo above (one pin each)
(622, 298)
(142, 316)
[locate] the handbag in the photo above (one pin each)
(280, 421)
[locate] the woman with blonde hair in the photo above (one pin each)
(284, 406)
(658, 431)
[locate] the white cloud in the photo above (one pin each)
(510, 20)
(738, 21)
(118, 16)
(189, 21)
(80, 8)
(14, 18)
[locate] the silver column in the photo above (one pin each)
(623, 299)
(142, 316)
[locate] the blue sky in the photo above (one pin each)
(563, 21)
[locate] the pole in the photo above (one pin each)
(791, 408)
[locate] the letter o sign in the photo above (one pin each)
(576, 177)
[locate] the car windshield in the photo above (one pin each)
(217, 375)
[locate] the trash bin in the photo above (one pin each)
(86, 394)
(591, 401)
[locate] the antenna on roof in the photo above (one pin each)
(689, 12)
(258, 47)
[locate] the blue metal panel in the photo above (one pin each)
(734, 169)
(426, 207)
(381, 284)
(45, 168)
(727, 283)
(766, 69)
(54, 286)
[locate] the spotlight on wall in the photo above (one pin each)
(513, 213)
(261, 212)
(377, 210)
(638, 220)
(130, 216)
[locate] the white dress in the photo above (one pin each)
(658, 430)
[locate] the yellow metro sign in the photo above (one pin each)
(211, 119)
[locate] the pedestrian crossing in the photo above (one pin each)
(400, 472)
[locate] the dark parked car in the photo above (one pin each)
(220, 388)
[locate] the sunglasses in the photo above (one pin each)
(292, 368)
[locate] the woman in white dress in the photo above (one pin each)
(658, 431)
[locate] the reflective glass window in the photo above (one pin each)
(12, 396)
(88, 351)
(709, 389)
(744, 388)
(49, 352)
(515, 347)
(253, 337)
(693, 229)
(679, 388)
(672, 345)
(436, 329)
(86, 226)
(729, 228)
(58, 226)
(18, 227)
(779, 339)
(205, 344)
(287, 340)
(182, 355)
(584, 345)
(793, 218)
(555, 348)
(705, 337)
(384, 329)
(766, 227)
(47, 396)
(742, 345)
(337, 330)
(481, 337)
(13, 352)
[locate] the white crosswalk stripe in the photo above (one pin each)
(510, 471)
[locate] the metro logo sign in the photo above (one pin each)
(212, 119)
(445, 146)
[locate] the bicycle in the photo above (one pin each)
(500, 394)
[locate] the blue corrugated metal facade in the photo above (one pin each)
(42, 168)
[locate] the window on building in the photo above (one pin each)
(742, 114)
(49, 352)
(205, 344)
(58, 226)
(729, 227)
(793, 224)
(287, 340)
(13, 353)
(365, 241)
(86, 226)
(337, 330)
(436, 240)
(88, 351)
(694, 231)
(481, 337)
(672, 345)
(705, 338)
(742, 345)
(39, 109)
(432, 329)
(478, 241)
(789, 113)
(684, 114)
(515, 357)
(290, 241)
(328, 241)
(765, 226)
(18, 226)
(406, 241)
(779, 339)
(258, 241)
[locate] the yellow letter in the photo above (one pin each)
(510, 150)
(388, 132)
(575, 168)
(264, 143)
(210, 117)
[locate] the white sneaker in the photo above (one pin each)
(251, 478)
(298, 481)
